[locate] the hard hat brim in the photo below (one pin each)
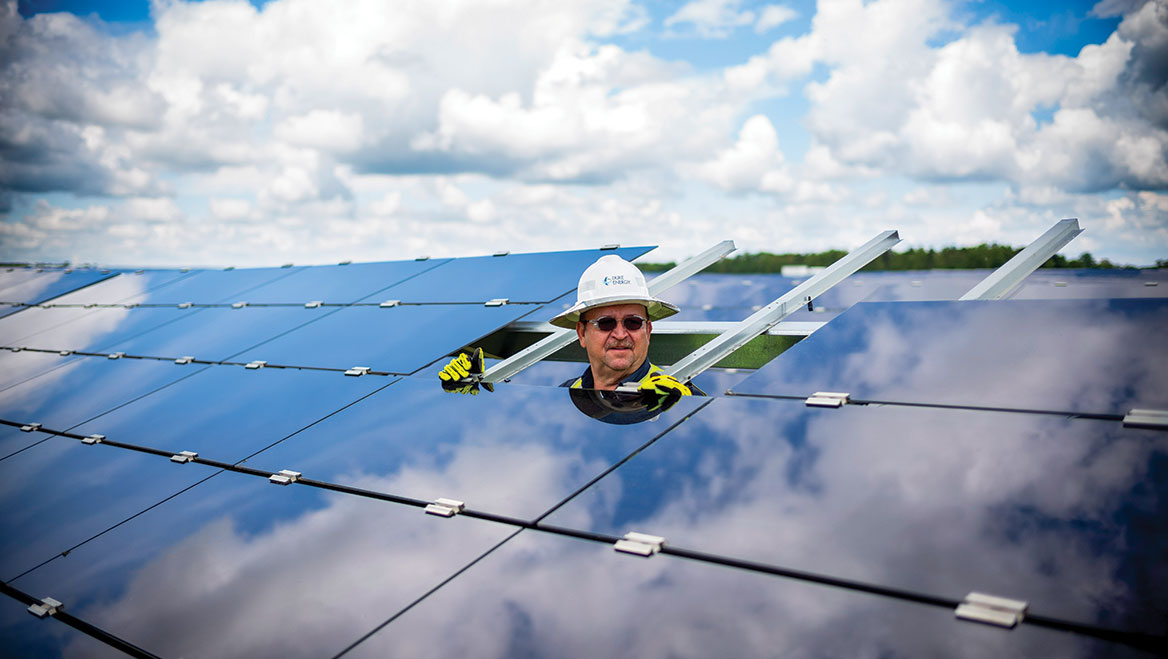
(657, 309)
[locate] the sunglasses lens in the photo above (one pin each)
(633, 323)
(606, 324)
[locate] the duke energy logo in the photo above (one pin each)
(616, 280)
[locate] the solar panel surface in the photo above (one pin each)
(901, 509)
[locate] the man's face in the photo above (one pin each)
(619, 352)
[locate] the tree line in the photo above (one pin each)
(984, 255)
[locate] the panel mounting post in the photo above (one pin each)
(1012, 272)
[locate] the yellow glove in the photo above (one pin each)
(456, 376)
(662, 391)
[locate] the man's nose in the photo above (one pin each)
(619, 331)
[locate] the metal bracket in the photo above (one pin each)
(992, 610)
(828, 399)
(29, 427)
(609, 246)
(47, 607)
(314, 304)
(184, 457)
(503, 253)
(445, 507)
(641, 544)
(184, 360)
(64, 353)
(185, 305)
(259, 363)
(1153, 419)
(358, 371)
(92, 439)
(284, 477)
(115, 355)
(390, 303)
(497, 302)
(238, 305)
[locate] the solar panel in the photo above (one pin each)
(1005, 503)
(518, 451)
(537, 277)
(1083, 356)
(42, 286)
(250, 569)
(548, 595)
(214, 413)
(150, 501)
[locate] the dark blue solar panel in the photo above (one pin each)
(1057, 284)
(221, 413)
(1091, 356)
(48, 285)
(16, 367)
(250, 569)
(538, 277)
(541, 595)
(124, 288)
(210, 286)
(84, 387)
(1069, 515)
(337, 284)
(517, 451)
(400, 339)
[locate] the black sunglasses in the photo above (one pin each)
(608, 323)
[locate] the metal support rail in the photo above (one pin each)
(1012, 272)
(562, 337)
(767, 317)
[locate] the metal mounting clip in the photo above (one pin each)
(284, 477)
(184, 360)
(445, 507)
(47, 607)
(184, 457)
(389, 303)
(64, 353)
(357, 371)
(185, 305)
(828, 399)
(1154, 419)
(115, 355)
(314, 304)
(992, 610)
(641, 544)
(497, 302)
(259, 363)
(29, 427)
(238, 305)
(92, 439)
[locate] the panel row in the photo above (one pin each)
(1067, 514)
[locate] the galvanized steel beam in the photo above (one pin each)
(1012, 272)
(767, 317)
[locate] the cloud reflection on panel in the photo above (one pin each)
(549, 596)
(239, 564)
(1096, 356)
(1065, 514)
(288, 572)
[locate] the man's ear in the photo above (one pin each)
(580, 331)
(648, 327)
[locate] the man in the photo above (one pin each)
(613, 318)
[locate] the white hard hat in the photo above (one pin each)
(612, 280)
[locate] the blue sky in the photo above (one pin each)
(235, 133)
